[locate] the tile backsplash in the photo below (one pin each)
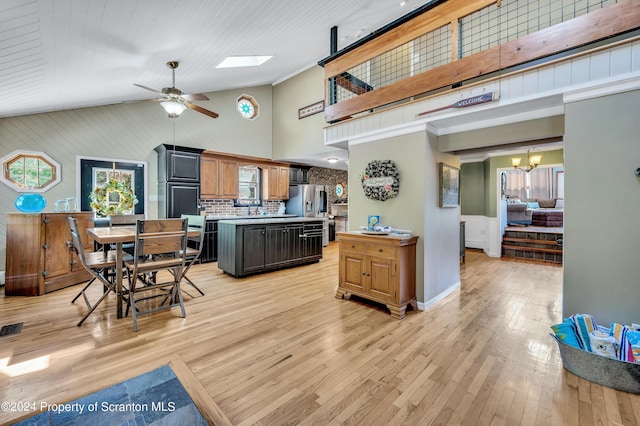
(225, 207)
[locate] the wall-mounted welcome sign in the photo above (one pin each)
(463, 103)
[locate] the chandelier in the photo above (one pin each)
(532, 162)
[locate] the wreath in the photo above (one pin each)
(380, 180)
(100, 199)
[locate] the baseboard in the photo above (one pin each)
(423, 306)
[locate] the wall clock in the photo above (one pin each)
(248, 107)
(340, 190)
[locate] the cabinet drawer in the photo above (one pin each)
(353, 246)
(378, 250)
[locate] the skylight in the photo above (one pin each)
(243, 61)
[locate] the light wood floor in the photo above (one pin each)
(279, 349)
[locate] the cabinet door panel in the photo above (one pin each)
(253, 240)
(228, 179)
(57, 254)
(275, 245)
(295, 243)
(283, 183)
(183, 166)
(381, 276)
(352, 272)
(209, 184)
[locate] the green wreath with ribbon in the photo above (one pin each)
(100, 199)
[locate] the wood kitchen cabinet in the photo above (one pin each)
(39, 258)
(379, 268)
(276, 182)
(219, 177)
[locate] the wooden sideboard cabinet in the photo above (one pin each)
(39, 260)
(379, 268)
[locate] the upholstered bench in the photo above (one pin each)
(547, 217)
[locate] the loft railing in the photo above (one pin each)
(460, 40)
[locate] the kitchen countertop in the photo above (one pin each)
(244, 217)
(257, 220)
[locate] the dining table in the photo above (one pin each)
(119, 235)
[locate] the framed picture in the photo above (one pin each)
(311, 109)
(449, 186)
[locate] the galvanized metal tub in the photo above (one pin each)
(613, 373)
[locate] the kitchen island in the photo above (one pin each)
(252, 246)
(210, 242)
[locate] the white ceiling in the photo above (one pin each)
(64, 54)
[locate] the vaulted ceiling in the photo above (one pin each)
(65, 54)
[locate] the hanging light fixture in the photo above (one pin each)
(173, 107)
(533, 161)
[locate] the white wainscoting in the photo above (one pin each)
(482, 232)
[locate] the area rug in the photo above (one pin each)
(153, 398)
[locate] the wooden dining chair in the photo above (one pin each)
(125, 220)
(98, 264)
(160, 245)
(194, 246)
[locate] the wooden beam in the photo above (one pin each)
(463, 69)
(422, 24)
(610, 21)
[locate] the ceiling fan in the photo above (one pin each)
(174, 101)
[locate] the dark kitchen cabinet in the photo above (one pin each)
(210, 243)
(312, 241)
(283, 244)
(178, 181)
(253, 253)
(177, 199)
(176, 163)
(298, 175)
(245, 248)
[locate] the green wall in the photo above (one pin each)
(295, 138)
(406, 211)
(602, 201)
(481, 198)
(472, 189)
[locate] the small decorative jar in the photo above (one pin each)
(30, 202)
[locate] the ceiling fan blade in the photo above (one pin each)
(195, 97)
(201, 110)
(144, 100)
(148, 88)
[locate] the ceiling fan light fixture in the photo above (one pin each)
(173, 108)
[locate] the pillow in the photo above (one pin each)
(566, 332)
(559, 203)
(547, 203)
(533, 205)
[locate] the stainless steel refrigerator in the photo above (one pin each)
(310, 201)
